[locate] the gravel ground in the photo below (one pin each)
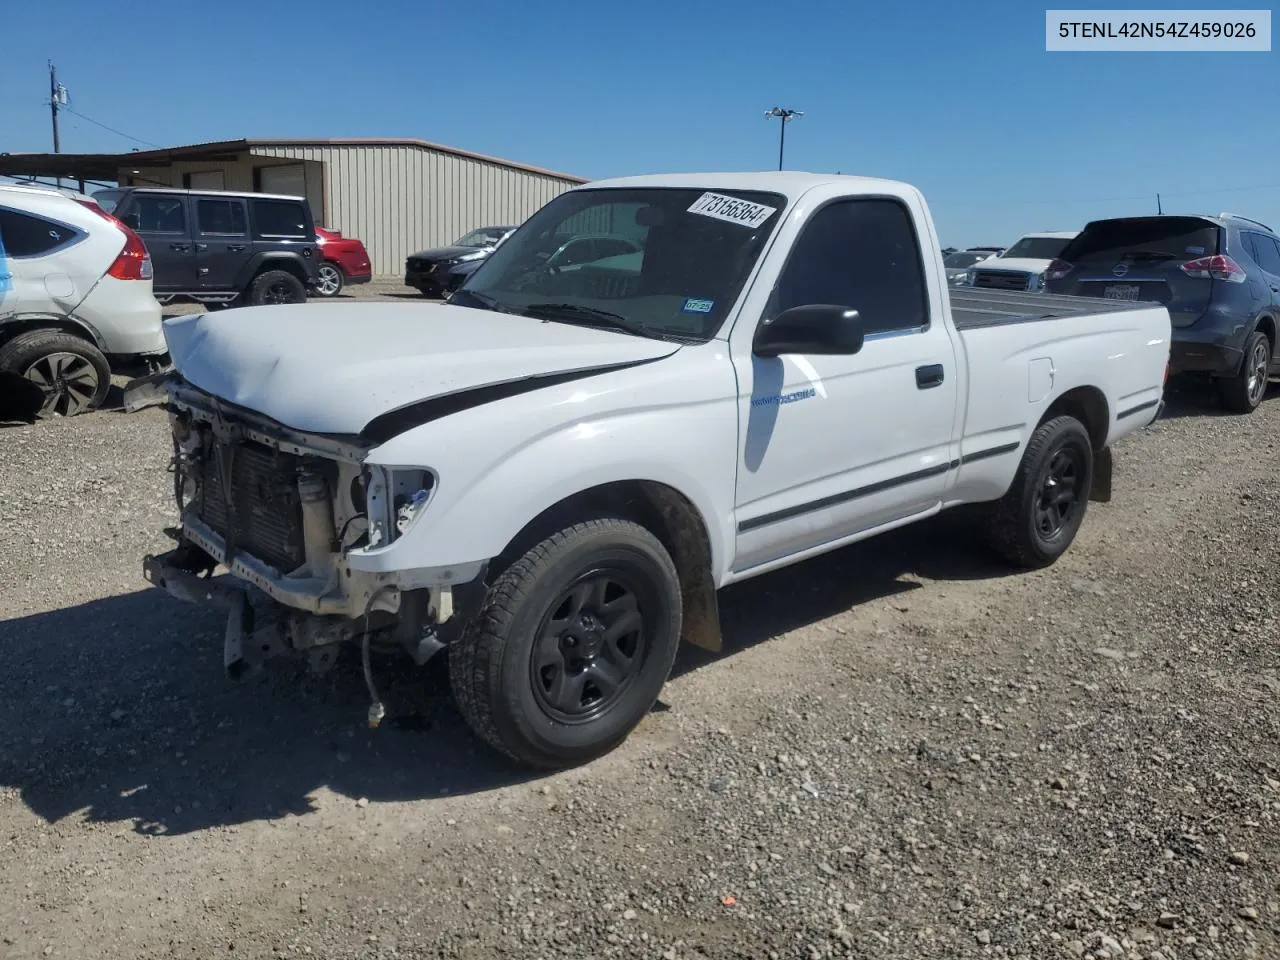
(904, 752)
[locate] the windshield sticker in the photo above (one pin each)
(732, 210)
(694, 305)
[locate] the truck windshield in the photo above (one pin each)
(659, 262)
(1036, 248)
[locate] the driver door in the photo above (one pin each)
(831, 446)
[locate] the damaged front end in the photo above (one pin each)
(291, 516)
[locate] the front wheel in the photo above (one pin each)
(329, 281)
(571, 646)
(1034, 523)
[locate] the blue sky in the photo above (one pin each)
(960, 99)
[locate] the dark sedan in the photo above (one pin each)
(427, 269)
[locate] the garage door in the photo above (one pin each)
(288, 179)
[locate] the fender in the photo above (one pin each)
(485, 495)
(18, 323)
(273, 259)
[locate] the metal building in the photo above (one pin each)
(397, 195)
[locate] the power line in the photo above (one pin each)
(118, 133)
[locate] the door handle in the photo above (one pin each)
(202, 246)
(235, 247)
(1275, 289)
(180, 247)
(930, 376)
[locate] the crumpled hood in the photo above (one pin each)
(332, 368)
(996, 263)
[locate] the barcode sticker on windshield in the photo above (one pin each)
(732, 210)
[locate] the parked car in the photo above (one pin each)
(562, 255)
(346, 261)
(427, 270)
(957, 264)
(550, 476)
(994, 251)
(216, 246)
(947, 251)
(1021, 266)
(1219, 277)
(75, 297)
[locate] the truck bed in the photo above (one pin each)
(974, 309)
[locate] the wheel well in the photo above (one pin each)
(14, 328)
(664, 512)
(1089, 406)
(288, 265)
(1267, 326)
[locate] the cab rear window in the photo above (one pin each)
(1180, 238)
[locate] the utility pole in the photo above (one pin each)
(57, 97)
(785, 115)
(1159, 209)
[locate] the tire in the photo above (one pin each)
(526, 698)
(331, 280)
(1244, 392)
(72, 374)
(276, 286)
(1024, 527)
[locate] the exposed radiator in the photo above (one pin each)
(264, 503)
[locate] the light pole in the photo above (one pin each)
(785, 115)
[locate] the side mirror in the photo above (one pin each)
(821, 328)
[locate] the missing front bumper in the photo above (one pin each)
(246, 645)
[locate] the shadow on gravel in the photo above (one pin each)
(119, 709)
(1200, 398)
(751, 612)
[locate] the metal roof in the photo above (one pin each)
(105, 166)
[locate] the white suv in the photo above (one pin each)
(75, 290)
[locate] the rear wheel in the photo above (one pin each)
(330, 281)
(1036, 521)
(276, 286)
(72, 374)
(571, 646)
(1243, 392)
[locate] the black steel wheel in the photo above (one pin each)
(71, 374)
(589, 647)
(1035, 522)
(572, 644)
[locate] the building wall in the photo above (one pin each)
(402, 198)
(237, 175)
(397, 198)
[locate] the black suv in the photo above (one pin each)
(215, 246)
(1218, 276)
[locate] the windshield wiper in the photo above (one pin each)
(603, 318)
(486, 301)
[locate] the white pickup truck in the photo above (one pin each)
(551, 476)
